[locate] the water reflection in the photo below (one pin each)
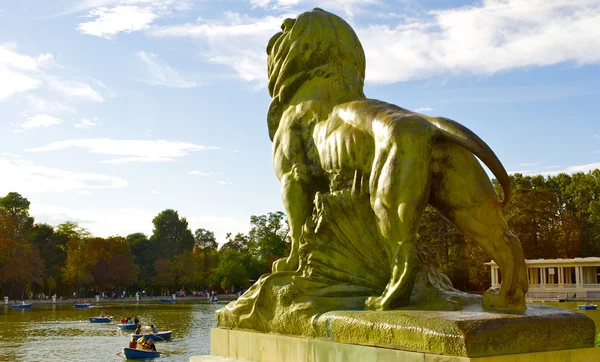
(62, 332)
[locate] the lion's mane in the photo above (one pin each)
(318, 45)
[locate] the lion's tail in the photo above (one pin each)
(466, 138)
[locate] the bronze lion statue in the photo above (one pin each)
(324, 128)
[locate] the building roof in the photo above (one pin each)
(589, 261)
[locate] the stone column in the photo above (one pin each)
(493, 273)
(577, 276)
(542, 275)
(560, 275)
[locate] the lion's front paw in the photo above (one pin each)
(498, 300)
(285, 264)
(374, 303)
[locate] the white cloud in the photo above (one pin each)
(7, 154)
(32, 178)
(132, 151)
(85, 123)
(486, 38)
(74, 89)
(108, 22)
(106, 222)
(424, 109)
(102, 222)
(559, 169)
(40, 120)
(239, 41)
(597, 136)
(528, 164)
(160, 73)
(21, 73)
(350, 7)
(125, 15)
(41, 105)
(153, 192)
(198, 173)
(225, 183)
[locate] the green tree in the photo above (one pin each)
(238, 243)
(171, 235)
(231, 266)
(268, 236)
(17, 207)
(52, 247)
(205, 239)
(76, 271)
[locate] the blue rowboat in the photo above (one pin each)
(100, 319)
(134, 353)
(22, 306)
(156, 337)
(82, 305)
(587, 307)
(167, 300)
(126, 327)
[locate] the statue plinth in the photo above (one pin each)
(560, 337)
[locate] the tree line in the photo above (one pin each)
(42, 259)
(553, 216)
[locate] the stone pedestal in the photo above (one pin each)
(541, 334)
(242, 346)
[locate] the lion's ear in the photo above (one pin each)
(274, 116)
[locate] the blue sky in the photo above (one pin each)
(113, 110)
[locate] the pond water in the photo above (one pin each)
(61, 332)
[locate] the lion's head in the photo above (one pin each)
(315, 44)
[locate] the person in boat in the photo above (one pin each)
(150, 345)
(102, 315)
(132, 343)
(136, 320)
(588, 303)
(154, 330)
(138, 329)
(129, 320)
(123, 320)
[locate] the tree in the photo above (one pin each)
(20, 261)
(171, 235)
(76, 270)
(269, 236)
(52, 247)
(231, 265)
(205, 239)
(17, 207)
(238, 243)
(164, 276)
(114, 265)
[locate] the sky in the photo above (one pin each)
(114, 110)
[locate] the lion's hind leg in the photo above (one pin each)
(463, 193)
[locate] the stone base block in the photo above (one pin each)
(236, 345)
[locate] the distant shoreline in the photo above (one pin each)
(221, 297)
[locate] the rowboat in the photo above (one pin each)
(587, 307)
(167, 300)
(82, 305)
(100, 319)
(156, 337)
(22, 306)
(134, 353)
(128, 326)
